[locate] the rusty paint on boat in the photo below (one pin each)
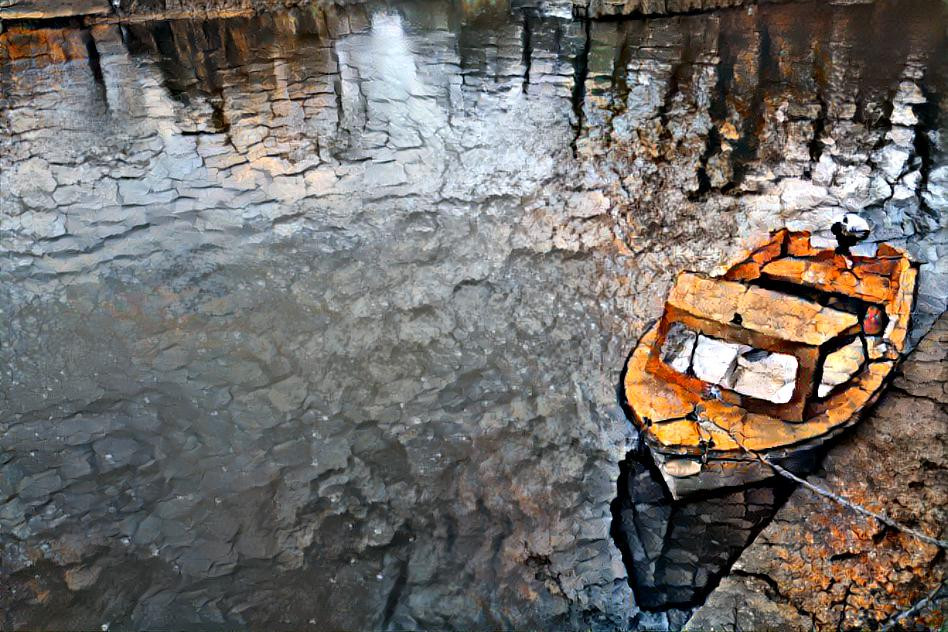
(704, 384)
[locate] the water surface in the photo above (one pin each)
(316, 317)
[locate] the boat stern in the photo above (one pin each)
(687, 475)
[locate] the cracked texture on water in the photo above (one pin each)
(281, 344)
(316, 317)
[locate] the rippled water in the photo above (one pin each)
(316, 317)
(298, 338)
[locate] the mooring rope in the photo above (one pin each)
(884, 519)
(916, 608)
(919, 605)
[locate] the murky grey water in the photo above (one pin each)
(296, 338)
(316, 317)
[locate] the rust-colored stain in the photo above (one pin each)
(873, 574)
(786, 297)
(42, 46)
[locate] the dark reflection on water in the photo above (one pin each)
(677, 550)
(315, 317)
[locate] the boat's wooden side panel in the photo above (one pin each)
(750, 268)
(665, 406)
(900, 309)
(831, 276)
(718, 473)
(649, 399)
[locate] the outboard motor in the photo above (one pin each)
(849, 232)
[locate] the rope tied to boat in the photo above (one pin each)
(916, 608)
(822, 491)
(898, 618)
(884, 519)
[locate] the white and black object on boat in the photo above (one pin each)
(849, 231)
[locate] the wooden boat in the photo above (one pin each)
(770, 360)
